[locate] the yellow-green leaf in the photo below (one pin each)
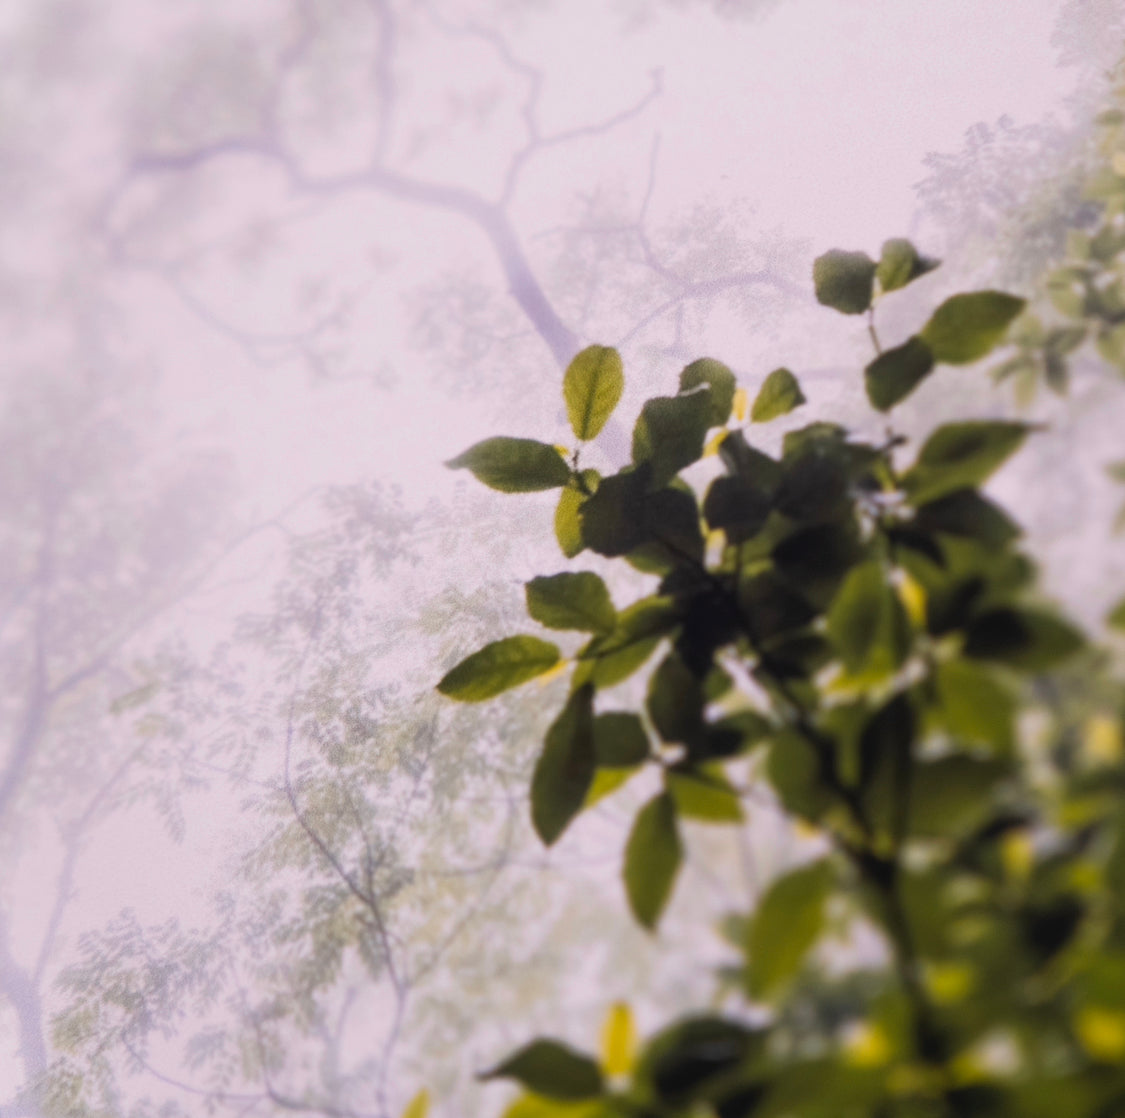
(592, 387)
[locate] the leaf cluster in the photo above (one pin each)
(851, 627)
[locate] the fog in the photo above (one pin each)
(264, 268)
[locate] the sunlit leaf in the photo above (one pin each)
(704, 794)
(786, 924)
(976, 706)
(514, 465)
(592, 386)
(619, 1040)
(497, 667)
(780, 394)
(419, 1106)
(900, 263)
(653, 856)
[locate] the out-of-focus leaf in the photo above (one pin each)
(780, 394)
(653, 856)
(844, 281)
(514, 465)
(498, 666)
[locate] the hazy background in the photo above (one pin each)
(265, 266)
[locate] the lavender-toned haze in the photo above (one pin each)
(264, 267)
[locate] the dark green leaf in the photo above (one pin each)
(844, 281)
(565, 768)
(577, 600)
(968, 514)
(497, 667)
(886, 744)
(780, 394)
(652, 859)
(693, 1060)
(737, 506)
(815, 560)
(620, 741)
(592, 387)
(1021, 638)
(744, 461)
(551, 1069)
(900, 263)
(714, 373)
(730, 736)
(675, 700)
(787, 923)
(952, 795)
(960, 456)
(868, 625)
(613, 520)
(816, 481)
(703, 794)
(514, 465)
(670, 431)
(967, 327)
(770, 607)
(895, 373)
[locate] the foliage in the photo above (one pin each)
(853, 631)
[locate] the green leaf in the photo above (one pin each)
(592, 387)
(737, 733)
(514, 465)
(696, 1059)
(780, 394)
(550, 1068)
(653, 856)
(608, 660)
(675, 700)
(669, 433)
(613, 520)
(568, 513)
(844, 281)
(952, 795)
(1021, 638)
(751, 465)
(419, 1105)
(868, 624)
(497, 667)
(620, 741)
(571, 601)
(900, 263)
(976, 706)
(794, 771)
(960, 456)
(723, 385)
(967, 327)
(1116, 617)
(895, 373)
(737, 506)
(969, 515)
(787, 923)
(886, 744)
(703, 794)
(565, 768)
